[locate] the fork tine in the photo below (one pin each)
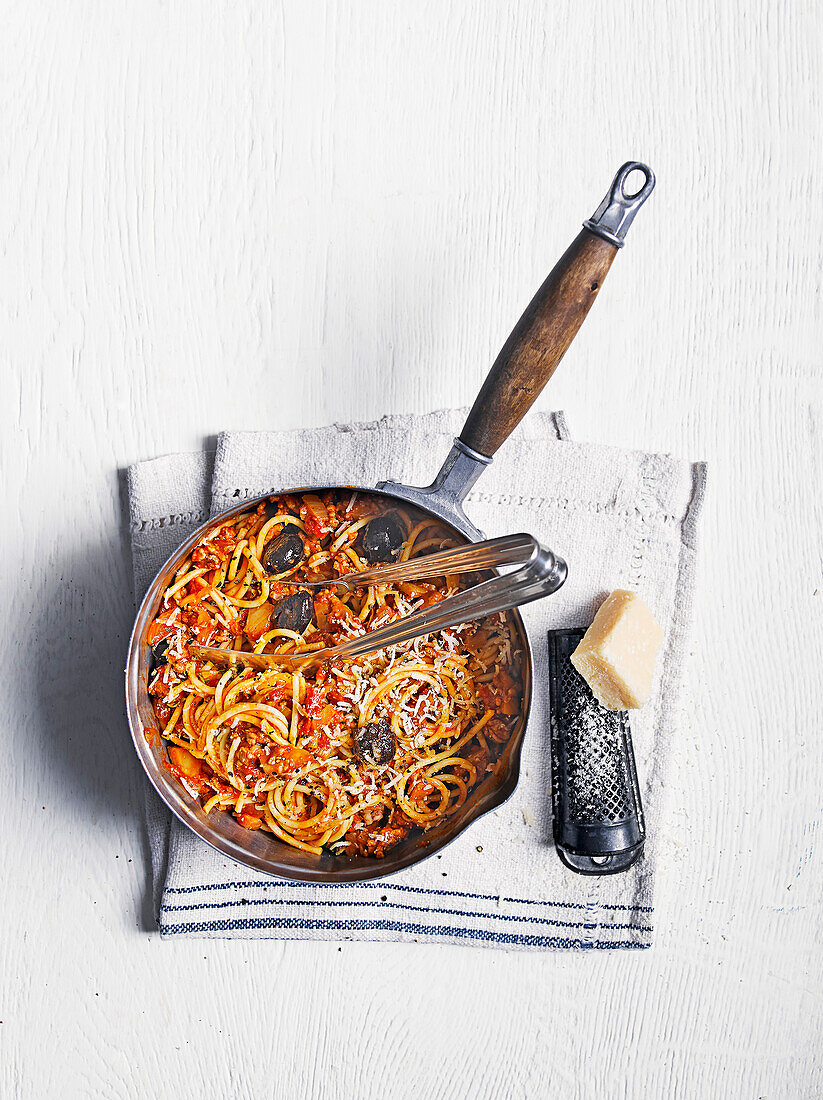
(474, 558)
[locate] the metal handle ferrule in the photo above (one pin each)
(613, 217)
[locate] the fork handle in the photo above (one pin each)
(541, 576)
(474, 558)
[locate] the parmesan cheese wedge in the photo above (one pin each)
(616, 655)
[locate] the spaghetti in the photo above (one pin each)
(353, 755)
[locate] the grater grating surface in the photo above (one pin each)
(598, 817)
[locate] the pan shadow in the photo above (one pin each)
(75, 680)
(76, 687)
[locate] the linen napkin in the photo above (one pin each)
(621, 519)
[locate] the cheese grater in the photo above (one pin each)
(598, 816)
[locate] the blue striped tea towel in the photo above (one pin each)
(621, 519)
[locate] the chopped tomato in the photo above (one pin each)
(502, 695)
(508, 691)
(210, 676)
(315, 516)
(480, 758)
(161, 708)
(250, 733)
(377, 840)
(247, 763)
(157, 632)
(315, 701)
(197, 585)
(319, 712)
(248, 820)
(497, 730)
(327, 715)
(321, 612)
(359, 507)
(382, 617)
(215, 550)
(488, 696)
(160, 688)
(197, 618)
(340, 616)
(476, 641)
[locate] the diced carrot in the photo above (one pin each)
(507, 689)
(184, 762)
(286, 760)
(475, 642)
(433, 597)
(414, 591)
(488, 697)
(479, 756)
(420, 788)
(502, 681)
(157, 632)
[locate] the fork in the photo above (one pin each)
(540, 573)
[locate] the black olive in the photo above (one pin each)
(157, 655)
(375, 743)
(381, 539)
(294, 612)
(285, 551)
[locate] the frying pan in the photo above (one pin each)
(526, 362)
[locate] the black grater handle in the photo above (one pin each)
(598, 816)
(609, 863)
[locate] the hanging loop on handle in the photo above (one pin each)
(613, 217)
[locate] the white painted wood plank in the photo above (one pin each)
(264, 215)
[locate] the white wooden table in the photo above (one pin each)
(249, 215)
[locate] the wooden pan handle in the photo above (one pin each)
(542, 335)
(539, 341)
